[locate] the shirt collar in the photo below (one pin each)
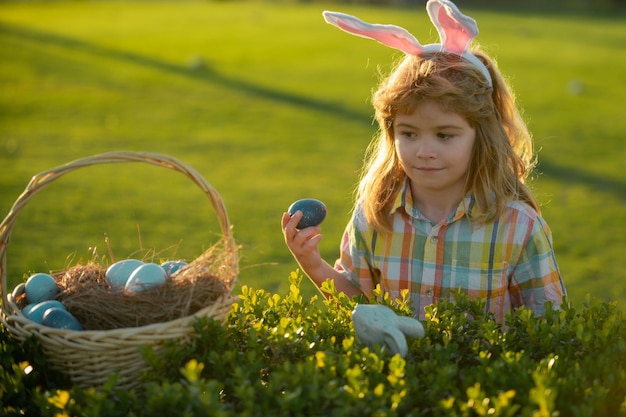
(405, 200)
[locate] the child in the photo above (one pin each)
(442, 204)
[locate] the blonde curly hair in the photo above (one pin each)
(502, 156)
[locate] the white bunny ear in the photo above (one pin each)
(389, 35)
(456, 30)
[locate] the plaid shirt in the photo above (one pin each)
(509, 262)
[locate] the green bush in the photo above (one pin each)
(288, 356)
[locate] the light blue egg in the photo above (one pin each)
(171, 267)
(35, 312)
(26, 310)
(40, 287)
(118, 273)
(145, 277)
(60, 319)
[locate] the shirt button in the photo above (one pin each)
(429, 293)
(434, 239)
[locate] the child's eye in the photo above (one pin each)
(444, 136)
(408, 134)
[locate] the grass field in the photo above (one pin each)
(270, 104)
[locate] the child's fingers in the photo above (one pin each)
(285, 219)
(313, 242)
(304, 236)
(291, 221)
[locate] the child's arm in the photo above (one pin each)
(303, 245)
(536, 277)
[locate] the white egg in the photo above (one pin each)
(118, 273)
(40, 287)
(147, 276)
(18, 290)
(35, 312)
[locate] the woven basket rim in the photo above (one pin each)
(18, 317)
(12, 313)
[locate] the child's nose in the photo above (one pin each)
(426, 150)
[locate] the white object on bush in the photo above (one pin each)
(377, 324)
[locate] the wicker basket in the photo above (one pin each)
(89, 357)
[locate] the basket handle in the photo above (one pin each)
(43, 179)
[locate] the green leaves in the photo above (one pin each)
(291, 356)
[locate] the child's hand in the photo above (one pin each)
(303, 244)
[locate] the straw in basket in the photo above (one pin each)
(89, 357)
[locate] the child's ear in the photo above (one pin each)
(456, 30)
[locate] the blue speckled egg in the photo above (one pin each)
(60, 319)
(118, 273)
(35, 312)
(171, 267)
(313, 212)
(40, 287)
(145, 277)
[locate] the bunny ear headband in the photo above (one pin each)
(456, 32)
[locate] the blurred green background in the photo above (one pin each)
(271, 105)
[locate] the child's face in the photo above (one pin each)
(434, 148)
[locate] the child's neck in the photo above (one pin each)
(436, 206)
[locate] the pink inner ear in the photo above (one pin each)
(458, 37)
(385, 37)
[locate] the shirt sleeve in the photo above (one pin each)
(536, 277)
(355, 256)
